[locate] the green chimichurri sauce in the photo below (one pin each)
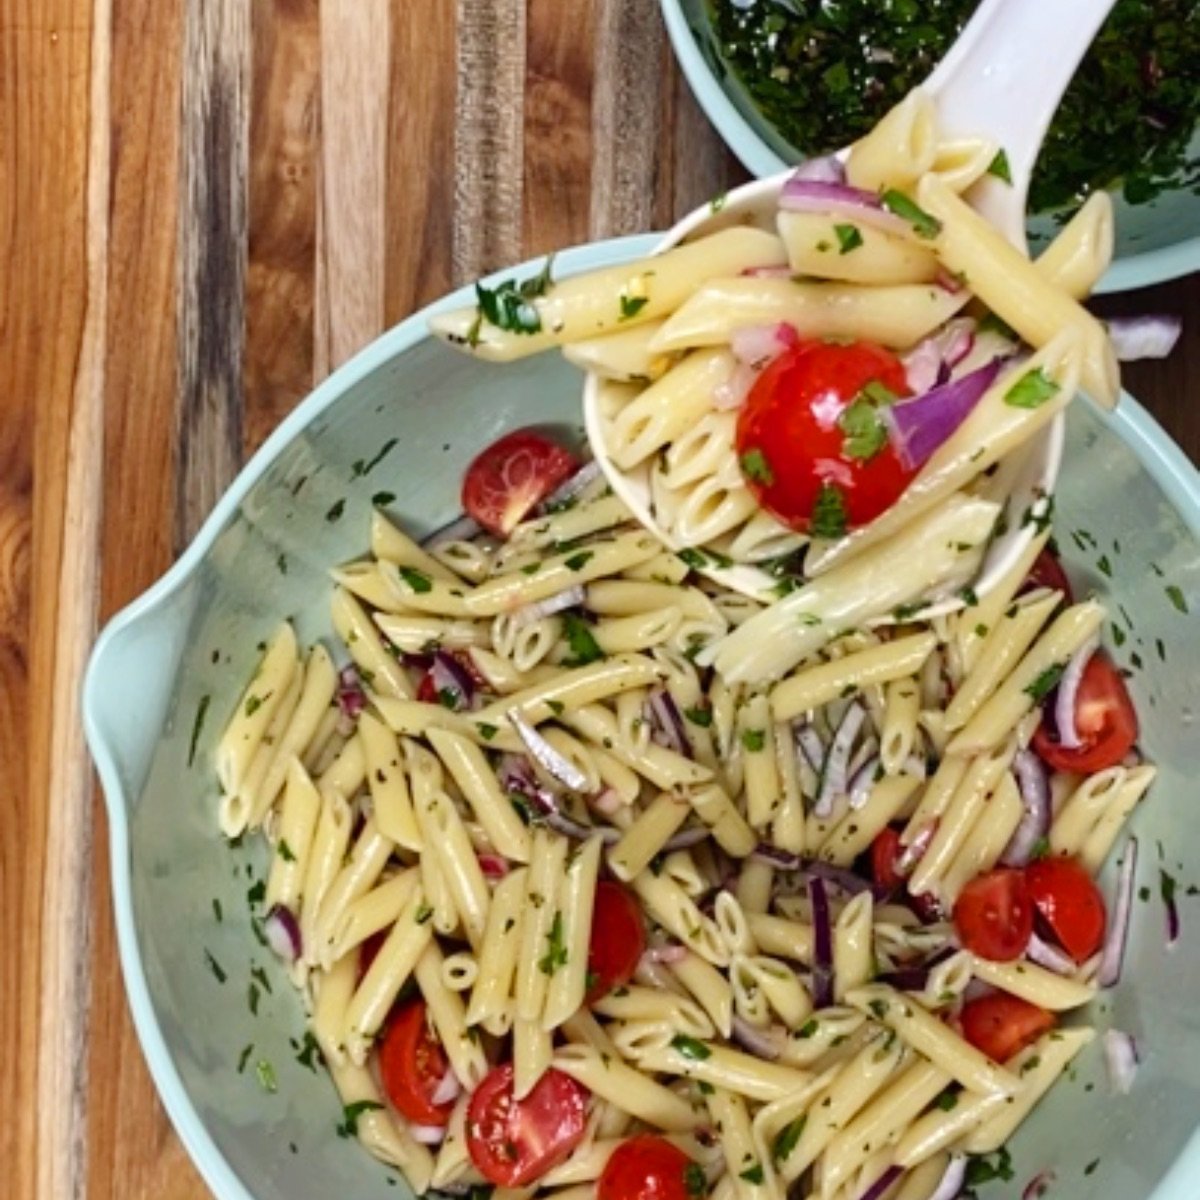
(824, 71)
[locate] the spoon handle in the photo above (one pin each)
(1003, 79)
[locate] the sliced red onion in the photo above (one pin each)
(666, 722)
(778, 271)
(862, 781)
(809, 743)
(351, 699)
(915, 850)
(461, 529)
(516, 775)
(1038, 1186)
(833, 777)
(926, 362)
(571, 597)
(917, 427)
(447, 1090)
(685, 839)
(1149, 336)
(493, 866)
(883, 1184)
(732, 392)
(952, 1181)
(1120, 1060)
(428, 1135)
(822, 964)
(665, 952)
(451, 680)
(558, 820)
(828, 168)
(1067, 694)
(764, 1043)
(545, 755)
(948, 281)
(1050, 957)
(1035, 823)
(282, 931)
(868, 748)
(1112, 958)
(571, 487)
(757, 345)
(840, 200)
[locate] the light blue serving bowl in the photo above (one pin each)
(1155, 241)
(186, 647)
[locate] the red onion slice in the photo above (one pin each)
(1149, 336)
(732, 392)
(545, 755)
(570, 488)
(351, 699)
(282, 931)
(822, 964)
(952, 1181)
(665, 952)
(453, 683)
(757, 345)
(862, 781)
(926, 363)
(1120, 1060)
(428, 1135)
(1048, 956)
(915, 850)
(917, 427)
(666, 722)
(1035, 795)
(883, 1184)
(763, 1043)
(833, 777)
(685, 839)
(493, 866)
(809, 743)
(1112, 958)
(571, 597)
(828, 168)
(1038, 1186)
(838, 200)
(1067, 693)
(447, 1090)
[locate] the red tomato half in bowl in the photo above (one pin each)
(993, 915)
(648, 1167)
(509, 478)
(412, 1064)
(1069, 902)
(618, 939)
(1105, 721)
(1002, 1025)
(811, 443)
(515, 1142)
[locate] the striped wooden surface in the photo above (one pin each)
(204, 206)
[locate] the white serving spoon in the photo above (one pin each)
(1001, 80)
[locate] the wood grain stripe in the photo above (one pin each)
(355, 60)
(284, 136)
(488, 158)
(628, 133)
(212, 254)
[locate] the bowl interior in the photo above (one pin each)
(221, 1023)
(1155, 241)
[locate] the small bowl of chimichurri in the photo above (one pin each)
(783, 80)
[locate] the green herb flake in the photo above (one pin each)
(309, 1055)
(999, 166)
(786, 1139)
(1032, 390)
(1177, 598)
(197, 726)
(968, 596)
(578, 561)
(1104, 566)
(417, 580)
(383, 499)
(557, 707)
(584, 647)
(486, 731)
(828, 519)
(753, 1174)
(924, 224)
(508, 305)
(693, 558)
(351, 1114)
(215, 967)
(690, 1047)
(756, 468)
(809, 1028)
(335, 511)
(285, 851)
(699, 716)
(849, 238)
(361, 468)
(981, 1169)
(754, 739)
(1091, 1166)
(423, 913)
(632, 305)
(695, 1182)
(253, 704)
(218, 912)
(556, 953)
(265, 1074)
(718, 202)
(244, 1057)
(866, 434)
(947, 1101)
(1041, 849)
(1045, 683)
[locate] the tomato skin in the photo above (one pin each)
(1105, 720)
(412, 1063)
(791, 418)
(886, 851)
(1047, 571)
(514, 1142)
(1069, 902)
(507, 479)
(646, 1167)
(618, 939)
(994, 915)
(1002, 1025)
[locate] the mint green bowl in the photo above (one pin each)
(194, 635)
(1155, 242)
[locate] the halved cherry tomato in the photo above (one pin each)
(618, 939)
(1105, 720)
(811, 444)
(648, 1167)
(886, 851)
(1047, 572)
(1002, 1025)
(412, 1063)
(506, 480)
(1069, 902)
(994, 915)
(514, 1142)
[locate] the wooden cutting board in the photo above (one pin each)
(204, 206)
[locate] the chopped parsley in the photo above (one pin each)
(632, 305)
(557, 707)
(828, 519)
(980, 1169)
(253, 704)
(215, 967)
(999, 166)
(1041, 849)
(1032, 390)
(351, 1113)
(265, 1073)
(968, 596)
(756, 468)
(754, 739)
(365, 468)
(1177, 598)
(335, 511)
(198, 725)
(1045, 683)
(786, 1139)
(924, 224)
(423, 913)
(578, 561)
(866, 434)
(285, 851)
(507, 306)
(718, 202)
(244, 1057)
(946, 1101)
(584, 647)
(849, 238)
(752, 1174)
(556, 954)
(486, 731)
(383, 499)
(690, 1047)
(809, 1028)
(699, 716)
(417, 580)
(695, 1181)
(309, 1055)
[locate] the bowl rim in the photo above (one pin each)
(1164, 460)
(1126, 274)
